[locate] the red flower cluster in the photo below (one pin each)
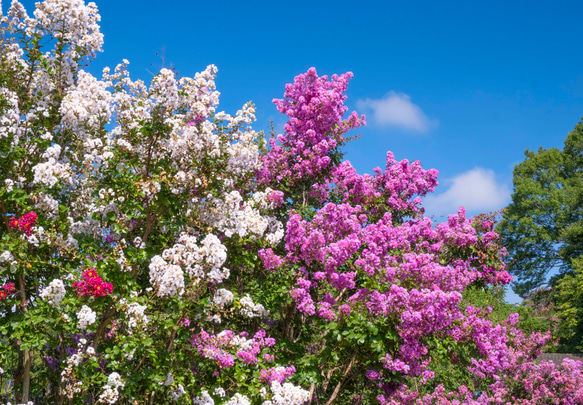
(93, 285)
(25, 223)
(6, 290)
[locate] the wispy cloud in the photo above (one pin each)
(476, 190)
(396, 109)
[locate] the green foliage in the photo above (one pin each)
(543, 226)
(569, 306)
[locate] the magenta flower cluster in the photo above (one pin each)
(92, 284)
(25, 223)
(315, 108)
(368, 248)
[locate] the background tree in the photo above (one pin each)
(568, 295)
(543, 226)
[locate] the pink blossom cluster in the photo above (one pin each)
(278, 374)
(6, 290)
(372, 228)
(227, 346)
(400, 186)
(315, 108)
(526, 383)
(92, 284)
(25, 223)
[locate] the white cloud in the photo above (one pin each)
(396, 109)
(476, 190)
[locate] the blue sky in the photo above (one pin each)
(463, 87)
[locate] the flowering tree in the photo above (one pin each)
(157, 250)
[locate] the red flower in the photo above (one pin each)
(93, 285)
(25, 223)
(6, 290)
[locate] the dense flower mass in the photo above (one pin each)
(54, 292)
(92, 284)
(6, 290)
(315, 106)
(169, 253)
(25, 223)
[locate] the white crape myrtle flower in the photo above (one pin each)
(177, 393)
(251, 309)
(204, 399)
(263, 392)
(232, 215)
(73, 21)
(241, 342)
(200, 261)
(7, 257)
(220, 392)
(10, 117)
(86, 105)
(47, 204)
(138, 243)
(9, 185)
(136, 316)
(238, 399)
(287, 394)
(222, 297)
(114, 380)
(49, 173)
(169, 379)
(167, 278)
(109, 395)
(54, 292)
(86, 317)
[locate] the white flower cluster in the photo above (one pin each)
(167, 278)
(86, 317)
(238, 399)
(204, 399)
(222, 297)
(48, 205)
(87, 104)
(251, 309)
(177, 393)
(220, 392)
(199, 262)
(10, 116)
(7, 257)
(287, 394)
(54, 292)
(50, 172)
(9, 184)
(243, 151)
(232, 215)
(169, 379)
(37, 235)
(110, 392)
(241, 342)
(137, 316)
(72, 22)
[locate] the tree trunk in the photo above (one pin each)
(26, 376)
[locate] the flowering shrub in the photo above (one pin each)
(165, 252)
